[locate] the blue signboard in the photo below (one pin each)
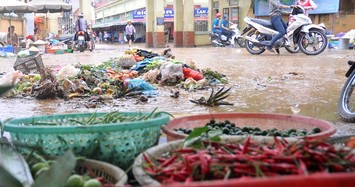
(168, 13)
(261, 7)
(201, 12)
(139, 14)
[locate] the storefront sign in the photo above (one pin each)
(201, 13)
(160, 21)
(169, 13)
(139, 14)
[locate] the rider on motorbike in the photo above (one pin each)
(216, 27)
(81, 24)
(276, 20)
(225, 29)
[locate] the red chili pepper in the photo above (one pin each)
(169, 161)
(186, 150)
(302, 169)
(315, 154)
(187, 163)
(204, 163)
(149, 162)
(278, 144)
(250, 172)
(282, 167)
(150, 171)
(337, 167)
(246, 144)
(161, 160)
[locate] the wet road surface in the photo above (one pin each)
(285, 83)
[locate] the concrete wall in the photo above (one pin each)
(337, 23)
(202, 39)
(119, 7)
(19, 29)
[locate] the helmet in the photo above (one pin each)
(225, 17)
(218, 15)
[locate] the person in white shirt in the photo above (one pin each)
(130, 31)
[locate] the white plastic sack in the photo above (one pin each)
(171, 73)
(67, 72)
(10, 78)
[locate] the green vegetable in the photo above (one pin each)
(12, 163)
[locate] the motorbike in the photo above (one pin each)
(80, 44)
(301, 34)
(66, 39)
(346, 102)
(236, 38)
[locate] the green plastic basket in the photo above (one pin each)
(116, 143)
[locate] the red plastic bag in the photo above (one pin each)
(190, 73)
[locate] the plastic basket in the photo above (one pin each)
(29, 64)
(60, 52)
(116, 143)
(316, 179)
(261, 120)
(112, 174)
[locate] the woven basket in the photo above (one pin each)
(117, 143)
(29, 64)
(112, 174)
(261, 120)
(317, 179)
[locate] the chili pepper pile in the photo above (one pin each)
(225, 161)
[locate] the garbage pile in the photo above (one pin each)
(135, 72)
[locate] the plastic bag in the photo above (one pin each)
(67, 71)
(171, 73)
(10, 78)
(190, 73)
(141, 65)
(140, 85)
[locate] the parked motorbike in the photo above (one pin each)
(236, 38)
(346, 102)
(301, 34)
(66, 39)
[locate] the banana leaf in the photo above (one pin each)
(13, 164)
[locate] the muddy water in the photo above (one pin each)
(286, 83)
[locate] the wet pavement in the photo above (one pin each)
(285, 83)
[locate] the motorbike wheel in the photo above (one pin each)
(240, 41)
(313, 43)
(346, 102)
(251, 47)
(295, 49)
(81, 48)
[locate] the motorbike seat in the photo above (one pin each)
(263, 22)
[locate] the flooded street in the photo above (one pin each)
(286, 83)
